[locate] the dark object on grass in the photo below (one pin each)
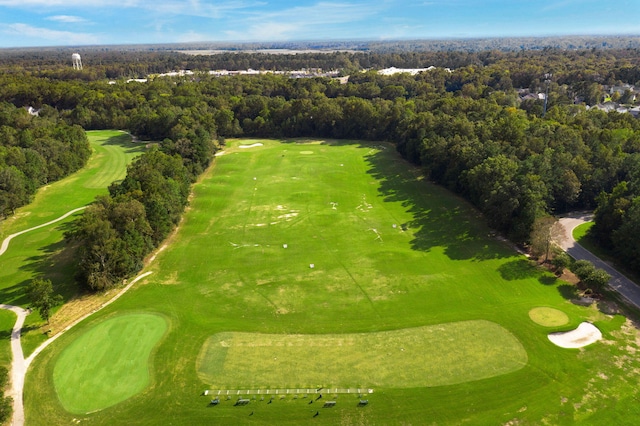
(329, 404)
(241, 402)
(363, 402)
(316, 414)
(319, 396)
(215, 401)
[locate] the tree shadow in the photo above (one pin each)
(440, 219)
(54, 262)
(15, 295)
(548, 279)
(568, 291)
(124, 141)
(518, 269)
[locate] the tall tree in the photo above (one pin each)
(546, 231)
(40, 293)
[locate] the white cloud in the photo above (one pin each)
(205, 9)
(47, 36)
(192, 36)
(67, 19)
(302, 22)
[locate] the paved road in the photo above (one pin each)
(627, 288)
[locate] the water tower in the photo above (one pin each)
(77, 62)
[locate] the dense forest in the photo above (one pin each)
(470, 128)
(35, 151)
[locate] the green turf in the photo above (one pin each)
(581, 231)
(436, 355)
(227, 271)
(42, 252)
(548, 317)
(7, 320)
(108, 363)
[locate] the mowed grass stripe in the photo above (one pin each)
(107, 364)
(437, 355)
(115, 158)
(80, 188)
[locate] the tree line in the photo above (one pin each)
(35, 151)
(467, 128)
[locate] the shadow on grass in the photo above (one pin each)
(15, 295)
(568, 291)
(440, 219)
(54, 262)
(124, 141)
(548, 279)
(518, 270)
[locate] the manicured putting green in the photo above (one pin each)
(436, 355)
(548, 317)
(107, 364)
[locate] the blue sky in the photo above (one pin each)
(84, 22)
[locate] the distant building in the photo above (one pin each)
(412, 71)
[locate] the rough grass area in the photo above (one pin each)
(436, 355)
(108, 363)
(548, 317)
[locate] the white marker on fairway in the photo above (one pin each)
(284, 246)
(311, 265)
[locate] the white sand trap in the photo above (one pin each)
(253, 145)
(584, 335)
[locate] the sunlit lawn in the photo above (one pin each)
(315, 241)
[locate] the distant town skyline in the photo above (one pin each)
(28, 23)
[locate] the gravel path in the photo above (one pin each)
(618, 282)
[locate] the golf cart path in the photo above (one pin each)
(18, 367)
(5, 243)
(19, 364)
(618, 282)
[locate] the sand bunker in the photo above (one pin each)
(584, 335)
(253, 145)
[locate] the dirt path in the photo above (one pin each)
(5, 243)
(618, 282)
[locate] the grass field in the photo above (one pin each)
(548, 317)
(436, 355)
(7, 319)
(107, 364)
(390, 253)
(41, 252)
